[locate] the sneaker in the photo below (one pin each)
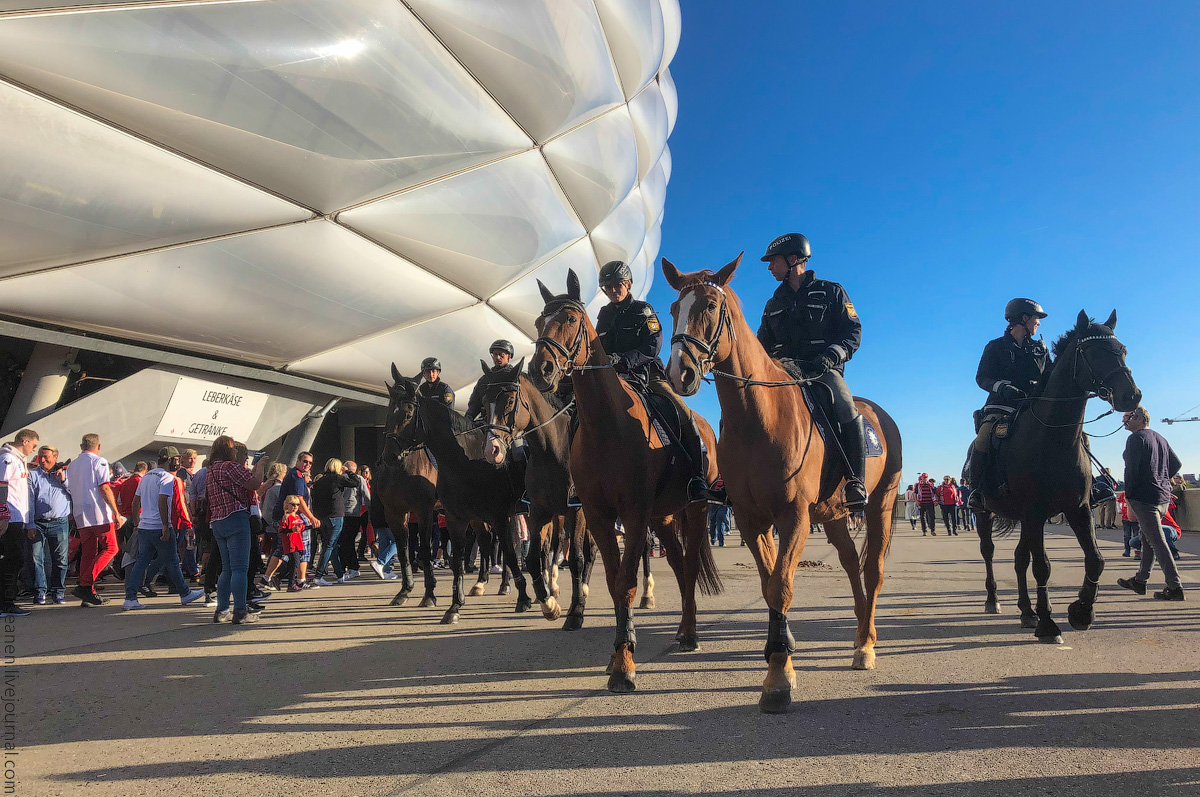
(1137, 554)
(309, 585)
(193, 595)
(496, 570)
(146, 592)
(241, 618)
(259, 595)
(1134, 584)
(133, 604)
(321, 582)
(351, 574)
(1170, 594)
(222, 617)
(60, 598)
(295, 588)
(275, 584)
(390, 576)
(210, 600)
(92, 599)
(378, 568)
(40, 600)
(1127, 553)
(13, 610)
(254, 608)
(81, 592)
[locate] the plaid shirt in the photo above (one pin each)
(226, 490)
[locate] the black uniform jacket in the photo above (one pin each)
(630, 329)
(437, 390)
(1006, 362)
(475, 403)
(806, 323)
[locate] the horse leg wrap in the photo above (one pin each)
(779, 636)
(626, 634)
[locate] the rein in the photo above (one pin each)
(1099, 388)
(510, 430)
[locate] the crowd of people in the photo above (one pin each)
(923, 499)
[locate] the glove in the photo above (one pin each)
(615, 360)
(814, 367)
(1011, 393)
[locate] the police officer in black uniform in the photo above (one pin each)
(632, 335)
(432, 385)
(502, 352)
(811, 326)
(1008, 370)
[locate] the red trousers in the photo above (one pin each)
(99, 544)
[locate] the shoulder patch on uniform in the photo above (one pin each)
(850, 310)
(646, 310)
(652, 324)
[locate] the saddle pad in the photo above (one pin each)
(874, 444)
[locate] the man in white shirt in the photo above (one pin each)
(96, 516)
(156, 534)
(15, 515)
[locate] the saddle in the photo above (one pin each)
(1002, 424)
(665, 424)
(819, 400)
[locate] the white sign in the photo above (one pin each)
(201, 410)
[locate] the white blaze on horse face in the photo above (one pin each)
(675, 365)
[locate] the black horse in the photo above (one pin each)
(1047, 470)
(472, 491)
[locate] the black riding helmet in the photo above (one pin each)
(502, 346)
(431, 364)
(1022, 307)
(614, 272)
(791, 244)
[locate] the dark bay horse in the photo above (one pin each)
(472, 491)
(406, 481)
(518, 411)
(1048, 471)
(772, 459)
(622, 471)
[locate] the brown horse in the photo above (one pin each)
(621, 470)
(772, 459)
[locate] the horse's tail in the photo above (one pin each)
(1004, 526)
(708, 579)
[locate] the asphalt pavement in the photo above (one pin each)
(336, 693)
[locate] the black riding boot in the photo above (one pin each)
(975, 472)
(698, 488)
(854, 443)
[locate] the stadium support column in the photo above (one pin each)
(302, 437)
(41, 386)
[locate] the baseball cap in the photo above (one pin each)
(166, 452)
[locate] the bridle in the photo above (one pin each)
(407, 446)
(708, 348)
(505, 387)
(1099, 384)
(574, 357)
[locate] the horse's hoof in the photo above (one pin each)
(608, 670)
(400, 599)
(775, 701)
(574, 622)
(863, 660)
(427, 601)
(647, 602)
(1029, 620)
(479, 589)
(523, 604)
(688, 642)
(504, 590)
(991, 606)
(1051, 640)
(450, 617)
(551, 610)
(1080, 617)
(621, 682)
(1048, 631)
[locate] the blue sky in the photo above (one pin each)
(943, 158)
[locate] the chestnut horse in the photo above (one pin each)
(622, 471)
(772, 459)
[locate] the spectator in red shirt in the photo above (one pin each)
(230, 487)
(947, 497)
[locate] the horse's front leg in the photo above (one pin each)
(479, 533)
(1033, 534)
(793, 529)
(579, 559)
(624, 589)
(1081, 613)
(460, 545)
(509, 551)
(987, 549)
(425, 523)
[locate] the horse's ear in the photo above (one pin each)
(572, 284)
(396, 375)
(723, 276)
(547, 296)
(520, 366)
(1111, 323)
(485, 368)
(674, 276)
(1081, 323)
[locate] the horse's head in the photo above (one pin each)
(402, 406)
(704, 332)
(562, 340)
(507, 413)
(1098, 362)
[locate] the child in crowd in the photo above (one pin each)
(291, 539)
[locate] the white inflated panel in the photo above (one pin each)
(665, 163)
(481, 229)
(666, 85)
(545, 61)
(649, 114)
(672, 29)
(325, 103)
(270, 296)
(73, 189)
(521, 302)
(620, 236)
(654, 194)
(634, 29)
(642, 278)
(593, 164)
(458, 339)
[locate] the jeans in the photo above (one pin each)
(386, 543)
(331, 532)
(233, 541)
(50, 556)
(1132, 535)
(347, 553)
(151, 547)
(950, 518)
(718, 524)
(1154, 541)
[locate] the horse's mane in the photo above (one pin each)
(1064, 340)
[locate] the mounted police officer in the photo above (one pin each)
(810, 325)
(1009, 369)
(632, 335)
(432, 385)
(502, 352)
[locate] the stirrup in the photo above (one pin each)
(854, 495)
(698, 490)
(573, 501)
